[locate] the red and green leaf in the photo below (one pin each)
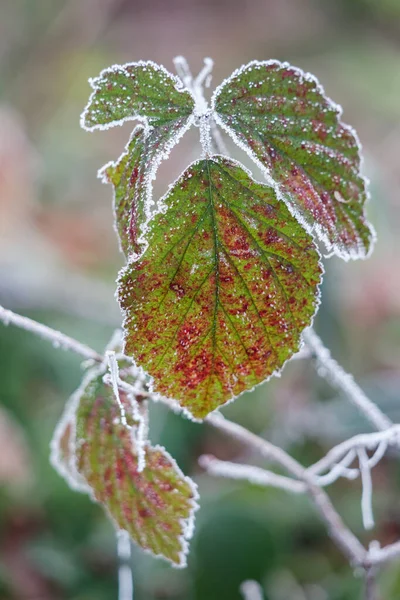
(284, 121)
(147, 92)
(154, 505)
(132, 177)
(218, 301)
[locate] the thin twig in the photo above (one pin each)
(343, 537)
(338, 531)
(251, 590)
(58, 339)
(249, 473)
(331, 370)
(370, 584)
(125, 578)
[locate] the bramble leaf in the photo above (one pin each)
(281, 117)
(147, 92)
(141, 90)
(154, 505)
(131, 177)
(217, 302)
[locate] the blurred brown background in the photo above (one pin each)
(58, 263)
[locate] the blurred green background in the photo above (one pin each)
(58, 264)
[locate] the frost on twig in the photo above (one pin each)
(251, 590)
(328, 367)
(125, 576)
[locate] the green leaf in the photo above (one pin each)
(147, 92)
(131, 177)
(155, 505)
(281, 117)
(141, 90)
(217, 302)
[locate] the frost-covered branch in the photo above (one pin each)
(339, 532)
(328, 367)
(125, 578)
(58, 339)
(249, 473)
(309, 480)
(251, 590)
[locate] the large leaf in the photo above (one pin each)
(154, 505)
(147, 92)
(217, 302)
(283, 119)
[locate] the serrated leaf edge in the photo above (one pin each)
(117, 67)
(151, 174)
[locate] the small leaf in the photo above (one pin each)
(217, 302)
(281, 117)
(147, 92)
(155, 506)
(132, 177)
(141, 90)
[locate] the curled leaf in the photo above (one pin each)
(218, 301)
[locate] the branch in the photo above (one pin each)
(251, 590)
(338, 531)
(302, 478)
(58, 339)
(249, 473)
(125, 579)
(332, 371)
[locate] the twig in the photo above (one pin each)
(252, 474)
(369, 441)
(370, 584)
(343, 537)
(338, 531)
(251, 590)
(58, 339)
(378, 556)
(331, 370)
(366, 498)
(125, 579)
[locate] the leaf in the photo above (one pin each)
(155, 506)
(281, 117)
(131, 177)
(217, 302)
(141, 90)
(147, 92)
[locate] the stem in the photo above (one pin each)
(343, 381)
(58, 339)
(370, 584)
(125, 578)
(338, 531)
(251, 590)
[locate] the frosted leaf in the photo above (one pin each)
(217, 302)
(155, 505)
(132, 177)
(141, 90)
(100, 448)
(281, 117)
(147, 92)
